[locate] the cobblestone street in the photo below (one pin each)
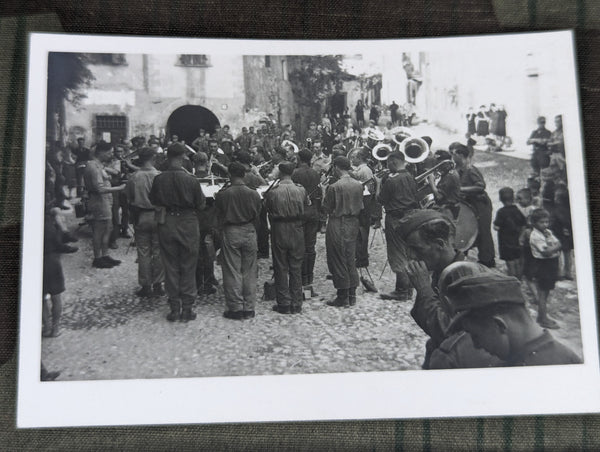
(109, 333)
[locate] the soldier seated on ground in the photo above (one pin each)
(491, 308)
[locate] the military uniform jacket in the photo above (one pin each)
(344, 198)
(286, 201)
(544, 350)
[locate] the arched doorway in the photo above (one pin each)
(186, 121)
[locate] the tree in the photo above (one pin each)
(68, 73)
(313, 79)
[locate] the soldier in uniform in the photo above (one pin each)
(97, 184)
(491, 308)
(472, 188)
(343, 202)
(398, 195)
(179, 195)
(238, 209)
(285, 204)
(429, 236)
(150, 268)
(309, 179)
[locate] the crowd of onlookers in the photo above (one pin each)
(534, 225)
(488, 123)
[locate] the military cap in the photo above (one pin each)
(468, 286)
(417, 218)
(342, 163)
(286, 168)
(176, 150)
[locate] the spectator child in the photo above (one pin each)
(524, 204)
(545, 248)
(534, 185)
(509, 223)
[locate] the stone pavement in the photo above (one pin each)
(109, 333)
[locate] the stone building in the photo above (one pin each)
(526, 81)
(144, 94)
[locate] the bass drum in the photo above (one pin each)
(466, 227)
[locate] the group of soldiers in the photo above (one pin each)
(181, 218)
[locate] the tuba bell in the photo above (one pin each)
(381, 151)
(289, 143)
(400, 134)
(415, 149)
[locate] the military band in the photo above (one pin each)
(224, 200)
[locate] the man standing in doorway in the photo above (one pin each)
(180, 197)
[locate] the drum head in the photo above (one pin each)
(466, 228)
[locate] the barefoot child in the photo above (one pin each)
(545, 248)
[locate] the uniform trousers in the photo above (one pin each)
(240, 269)
(311, 229)
(262, 233)
(120, 222)
(150, 266)
(205, 271)
(287, 245)
(179, 239)
(484, 241)
(340, 243)
(396, 251)
(362, 241)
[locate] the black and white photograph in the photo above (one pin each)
(226, 231)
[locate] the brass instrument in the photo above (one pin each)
(260, 165)
(415, 149)
(400, 134)
(438, 170)
(294, 146)
(381, 151)
(424, 190)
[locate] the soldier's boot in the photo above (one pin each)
(144, 292)
(175, 313)
(282, 309)
(341, 300)
(187, 314)
(352, 296)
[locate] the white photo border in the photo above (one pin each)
(362, 395)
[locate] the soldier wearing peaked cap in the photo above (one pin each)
(491, 308)
(429, 236)
(286, 204)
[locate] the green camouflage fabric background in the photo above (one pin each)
(332, 19)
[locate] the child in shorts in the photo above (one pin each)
(545, 248)
(509, 223)
(524, 204)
